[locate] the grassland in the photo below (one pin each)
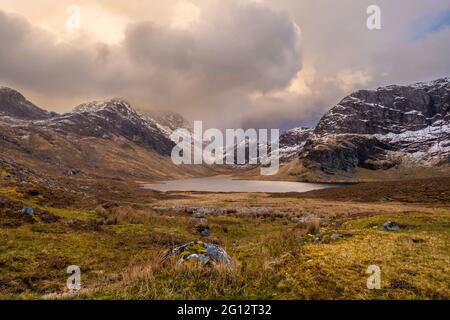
(119, 246)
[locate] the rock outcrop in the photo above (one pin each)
(383, 128)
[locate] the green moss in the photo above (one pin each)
(12, 194)
(69, 213)
(197, 248)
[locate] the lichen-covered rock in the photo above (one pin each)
(217, 253)
(204, 252)
(201, 257)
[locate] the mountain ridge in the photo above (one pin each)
(374, 130)
(381, 129)
(97, 139)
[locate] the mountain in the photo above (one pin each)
(13, 104)
(388, 127)
(292, 142)
(166, 121)
(370, 131)
(106, 139)
(110, 118)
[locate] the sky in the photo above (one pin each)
(230, 63)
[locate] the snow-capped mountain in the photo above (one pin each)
(383, 128)
(166, 121)
(373, 129)
(106, 138)
(392, 109)
(106, 119)
(98, 119)
(292, 142)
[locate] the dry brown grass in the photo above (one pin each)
(274, 257)
(313, 226)
(157, 279)
(130, 215)
(310, 226)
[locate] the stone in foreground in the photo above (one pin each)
(390, 226)
(204, 252)
(27, 210)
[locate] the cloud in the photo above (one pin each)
(340, 55)
(274, 63)
(184, 15)
(231, 50)
(30, 58)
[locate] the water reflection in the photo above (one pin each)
(230, 185)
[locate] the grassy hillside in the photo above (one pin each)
(119, 247)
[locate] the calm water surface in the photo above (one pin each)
(229, 185)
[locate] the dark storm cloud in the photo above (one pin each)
(236, 64)
(233, 49)
(29, 58)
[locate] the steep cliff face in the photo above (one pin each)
(292, 141)
(379, 129)
(392, 109)
(114, 117)
(345, 152)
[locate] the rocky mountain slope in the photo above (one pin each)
(292, 142)
(112, 118)
(13, 104)
(383, 128)
(166, 121)
(375, 130)
(103, 139)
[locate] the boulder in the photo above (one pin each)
(402, 284)
(73, 172)
(217, 253)
(203, 252)
(336, 236)
(27, 210)
(390, 226)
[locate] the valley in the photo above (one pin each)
(71, 194)
(313, 245)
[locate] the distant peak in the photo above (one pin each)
(437, 82)
(299, 129)
(420, 85)
(10, 91)
(115, 104)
